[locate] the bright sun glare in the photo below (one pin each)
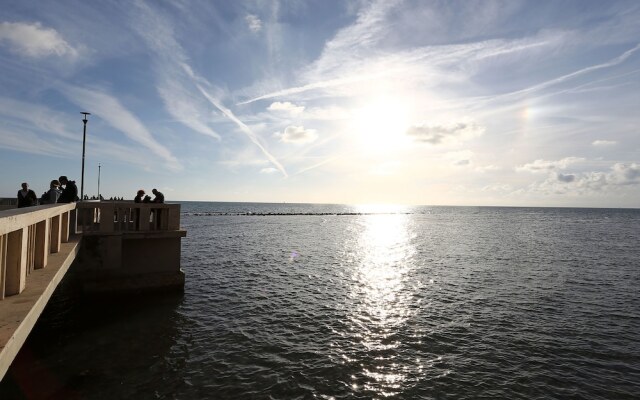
(380, 125)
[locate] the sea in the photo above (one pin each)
(309, 301)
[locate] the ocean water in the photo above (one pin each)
(297, 301)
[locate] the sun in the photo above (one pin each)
(379, 125)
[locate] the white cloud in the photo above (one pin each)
(297, 134)
(603, 142)
(285, 107)
(34, 40)
(445, 134)
(620, 177)
(546, 166)
(115, 114)
(254, 23)
(268, 170)
(625, 174)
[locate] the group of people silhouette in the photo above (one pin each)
(61, 190)
(141, 198)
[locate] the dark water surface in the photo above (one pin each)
(341, 302)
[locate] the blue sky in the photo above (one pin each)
(412, 102)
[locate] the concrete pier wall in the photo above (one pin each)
(129, 247)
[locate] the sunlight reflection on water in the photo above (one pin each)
(382, 297)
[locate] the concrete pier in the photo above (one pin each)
(114, 247)
(129, 247)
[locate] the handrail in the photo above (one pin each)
(27, 237)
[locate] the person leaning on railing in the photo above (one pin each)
(70, 191)
(139, 196)
(159, 196)
(53, 194)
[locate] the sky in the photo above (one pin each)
(504, 103)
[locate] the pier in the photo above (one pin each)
(115, 247)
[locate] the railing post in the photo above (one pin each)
(16, 272)
(31, 248)
(174, 218)
(64, 236)
(3, 264)
(73, 221)
(55, 234)
(106, 218)
(42, 244)
(143, 221)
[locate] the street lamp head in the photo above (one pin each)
(85, 116)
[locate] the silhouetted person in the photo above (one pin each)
(138, 198)
(52, 195)
(159, 196)
(70, 191)
(26, 196)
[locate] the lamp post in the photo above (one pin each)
(98, 182)
(84, 140)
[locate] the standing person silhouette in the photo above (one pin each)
(26, 196)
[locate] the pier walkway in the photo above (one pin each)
(117, 246)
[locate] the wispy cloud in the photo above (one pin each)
(603, 142)
(29, 115)
(36, 129)
(254, 23)
(115, 114)
(172, 57)
(34, 40)
(319, 164)
(29, 142)
(184, 107)
(316, 85)
(546, 166)
(180, 97)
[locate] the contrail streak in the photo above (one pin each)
(316, 85)
(252, 136)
